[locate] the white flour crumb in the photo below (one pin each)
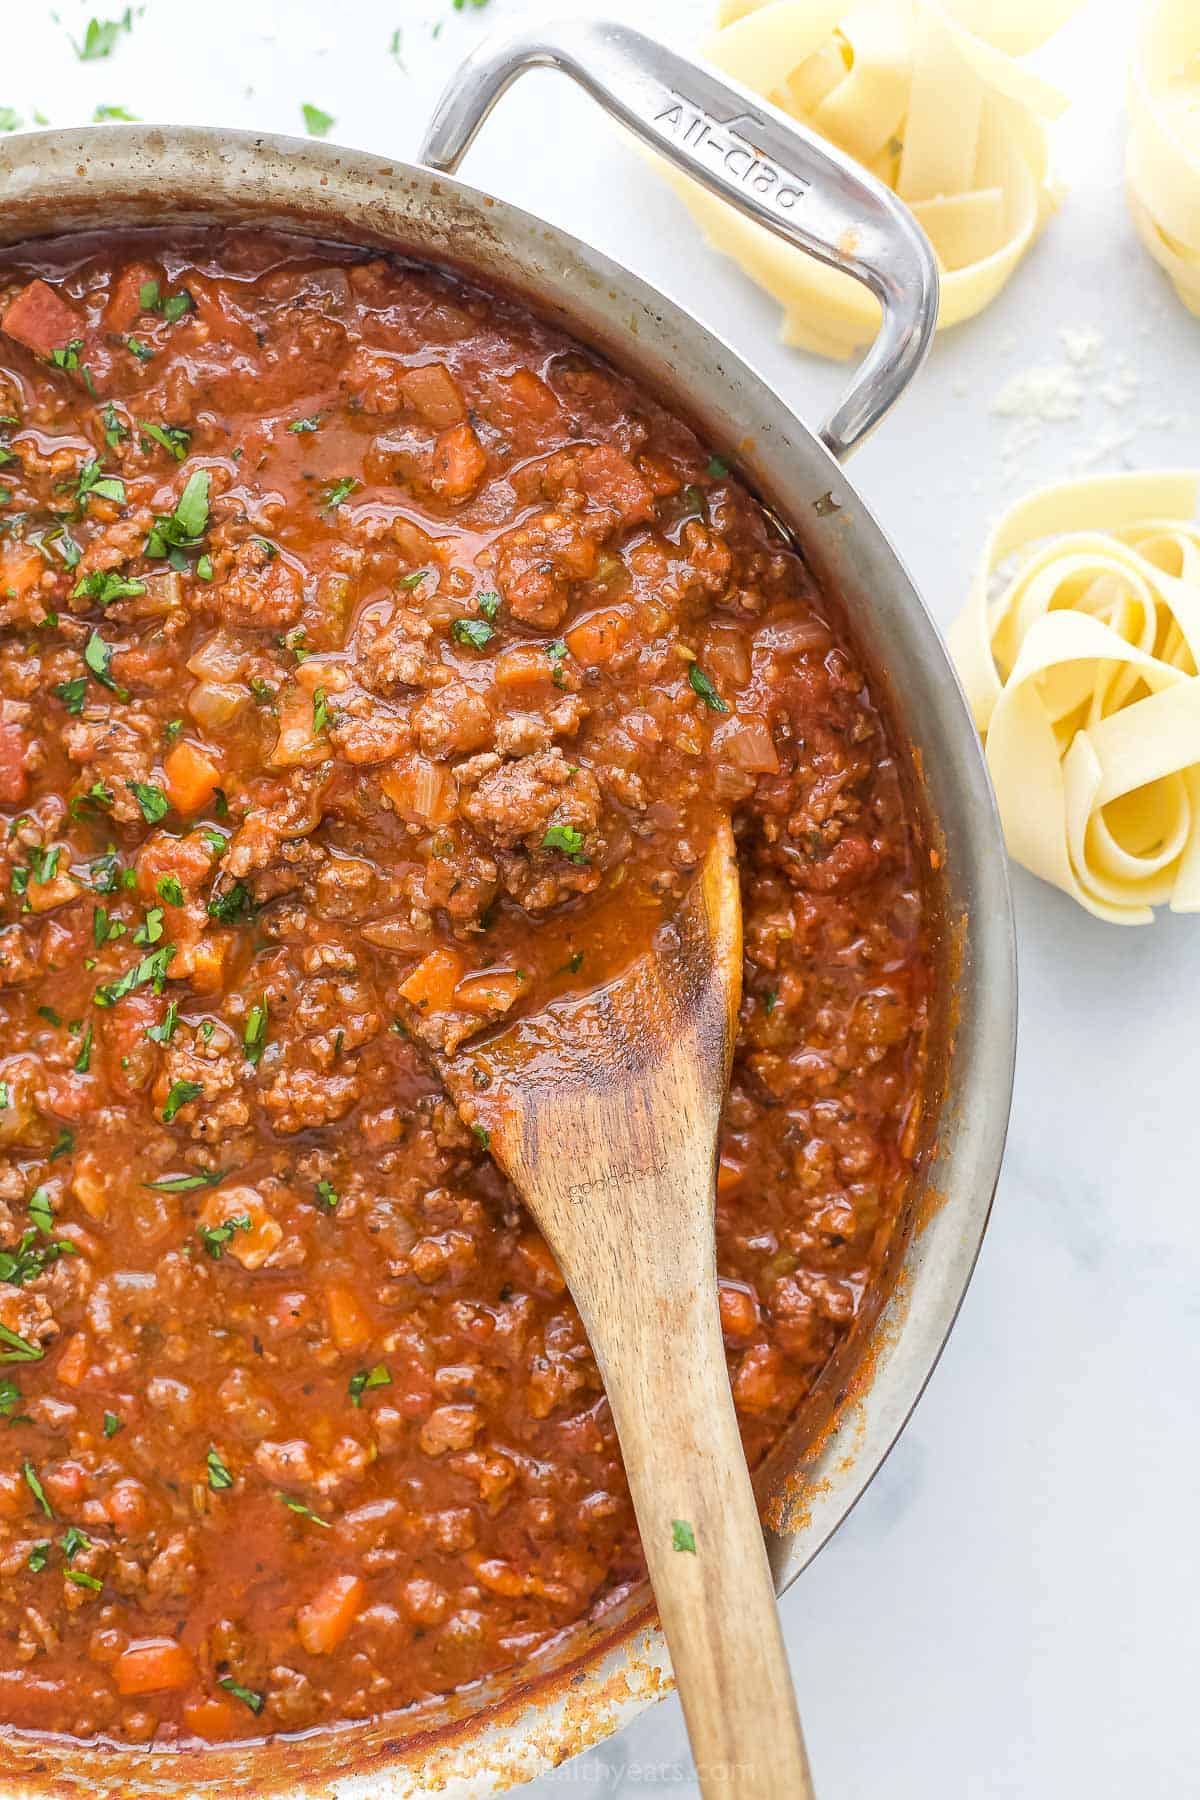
(1082, 347)
(1107, 447)
(1050, 394)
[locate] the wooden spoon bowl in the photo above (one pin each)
(603, 1110)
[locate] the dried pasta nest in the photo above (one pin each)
(1163, 165)
(1081, 668)
(928, 96)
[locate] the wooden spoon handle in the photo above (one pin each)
(658, 1340)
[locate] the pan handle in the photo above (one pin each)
(776, 172)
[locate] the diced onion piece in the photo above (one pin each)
(220, 657)
(792, 637)
(727, 658)
(297, 743)
(423, 792)
(395, 934)
(215, 704)
(747, 744)
(164, 593)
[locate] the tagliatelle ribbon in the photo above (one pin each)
(1163, 163)
(1083, 679)
(928, 96)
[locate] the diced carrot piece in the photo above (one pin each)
(659, 473)
(739, 1313)
(490, 991)
(523, 666)
(124, 308)
(431, 985)
(324, 1622)
(21, 570)
(435, 394)
(153, 1665)
(350, 1325)
(192, 777)
(211, 1719)
(458, 462)
(423, 792)
(73, 1363)
(729, 1175)
(528, 393)
(599, 636)
(610, 479)
(42, 320)
(539, 1259)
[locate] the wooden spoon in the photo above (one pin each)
(603, 1110)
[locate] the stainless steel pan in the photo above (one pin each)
(137, 175)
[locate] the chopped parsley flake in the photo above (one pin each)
(173, 438)
(327, 1195)
(169, 889)
(93, 480)
(100, 38)
(320, 711)
(366, 1379)
(98, 656)
(310, 424)
(254, 1039)
(39, 1556)
(41, 1211)
(305, 1512)
(337, 491)
(475, 632)
(567, 839)
(72, 694)
(63, 1144)
(183, 529)
(151, 928)
(151, 799)
(717, 468)
(219, 1477)
(35, 1487)
(215, 1237)
(15, 1349)
(112, 1425)
(247, 1696)
(488, 604)
(234, 904)
(73, 1541)
(184, 1184)
(84, 1059)
(700, 684)
(318, 124)
(151, 968)
(682, 1536)
(182, 1094)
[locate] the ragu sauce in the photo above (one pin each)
(373, 662)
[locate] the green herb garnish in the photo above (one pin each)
(700, 684)
(182, 1094)
(366, 1379)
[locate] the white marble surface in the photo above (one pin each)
(1011, 1611)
